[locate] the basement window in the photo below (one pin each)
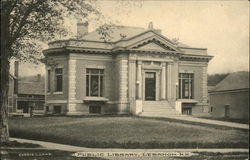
(95, 109)
(57, 109)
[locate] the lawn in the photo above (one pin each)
(126, 132)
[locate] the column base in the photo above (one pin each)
(138, 107)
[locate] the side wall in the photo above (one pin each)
(57, 98)
(199, 69)
(238, 103)
(106, 62)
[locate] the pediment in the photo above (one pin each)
(152, 41)
(151, 46)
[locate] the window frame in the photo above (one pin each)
(100, 74)
(49, 80)
(56, 80)
(182, 85)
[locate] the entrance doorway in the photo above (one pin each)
(150, 86)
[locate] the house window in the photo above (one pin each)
(94, 82)
(58, 73)
(48, 81)
(186, 81)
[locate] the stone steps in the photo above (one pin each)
(158, 109)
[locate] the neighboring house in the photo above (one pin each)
(26, 97)
(138, 71)
(230, 97)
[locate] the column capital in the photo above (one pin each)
(170, 63)
(139, 62)
(163, 64)
(132, 61)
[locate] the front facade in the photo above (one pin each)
(139, 72)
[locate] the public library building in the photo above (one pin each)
(139, 71)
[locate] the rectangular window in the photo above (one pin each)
(94, 82)
(95, 109)
(186, 87)
(57, 109)
(48, 81)
(59, 79)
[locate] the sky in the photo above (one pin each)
(220, 26)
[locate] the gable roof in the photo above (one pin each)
(234, 81)
(31, 87)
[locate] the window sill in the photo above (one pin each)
(57, 92)
(95, 99)
(187, 100)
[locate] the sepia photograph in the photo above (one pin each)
(124, 79)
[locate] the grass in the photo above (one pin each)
(126, 132)
(243, 121)
(19, 145)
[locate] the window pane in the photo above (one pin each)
(59, 83)
(87, 85)
(186, 85)
(94, 71)
(48, 82)
(58, 70)
(180, 85)
(101, 85)
(94, 82)
(94, 86)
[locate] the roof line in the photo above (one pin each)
(193, 48)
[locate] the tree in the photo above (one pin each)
(23, 24)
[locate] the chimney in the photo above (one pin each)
(150, 26)
(16, 73)
(82, 29)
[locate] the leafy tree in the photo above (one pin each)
(24, 23)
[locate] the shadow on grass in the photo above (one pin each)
(19, 145)
(128, 144)
(193, 123)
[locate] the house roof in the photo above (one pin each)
(119, 31)
(30, 87)
(127, 38)
(116, 33)
(234, 81)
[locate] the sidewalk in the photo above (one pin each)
(214, 122)
(56, 146)
(206, 121)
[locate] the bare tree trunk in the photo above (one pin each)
(5, 54)
(4, 100)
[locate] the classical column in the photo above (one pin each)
(163, 81)
(132, 80)
(71, 86)
(169, 78)
(139, 82)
